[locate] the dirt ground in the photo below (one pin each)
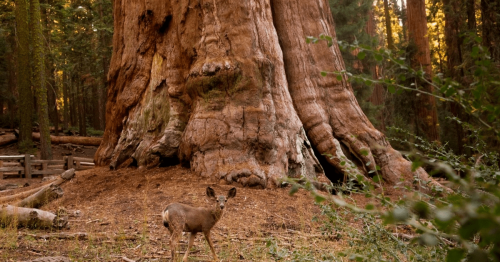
(120, 211)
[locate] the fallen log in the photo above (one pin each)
(43, 196)
(30, 217)
(8, 187)
(77, 140)
(7, 139)
(66, 176)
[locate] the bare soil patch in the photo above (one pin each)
(120, 213)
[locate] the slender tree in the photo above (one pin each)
(39, 80)
(490, 13)
(378, 95)
(23, 77)
(471, 15)
(388, 25)
(404, 20)
(426, 121)
(52, 87)
(453, 23)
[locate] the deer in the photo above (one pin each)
(180, 218)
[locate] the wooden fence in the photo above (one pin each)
(28, 166)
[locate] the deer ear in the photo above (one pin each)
(231, 193)
(210, 192)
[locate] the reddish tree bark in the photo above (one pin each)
(231, 88)
(424, 105)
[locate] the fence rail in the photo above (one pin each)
(28, 166)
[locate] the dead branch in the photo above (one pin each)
(64, 177)
(43, 196)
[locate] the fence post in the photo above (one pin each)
(27, 166)
(70, 162)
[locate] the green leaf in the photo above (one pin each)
(323, 73)
(421, 209)
(294, 189)
(415, 165)
(319, 199)
(391, 89)
(428, 240)
(400, 214)
(370, 207)
(444, 215)
(475, 52)
(455, 255)
(378, 57)
(361, 55)
(339, 77)
(469, 229)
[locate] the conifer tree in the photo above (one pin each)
(23, 77)
(426, 121)
(39, 80)
(355, 23)
(388, 25)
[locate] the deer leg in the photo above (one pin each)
(190, 244)
(174, 241)
(207, 237)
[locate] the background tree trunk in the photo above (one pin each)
(388, 25)
(471, 15)
(378, 95)
(453, 23)
(453, 40)
(82, 119)
(424, 106)
(49, 67)
(11, 104)
(104, 42)
(490, 26)
(39, 80)
(231, 88)
(404, 20)
(23, 77)
(73, 89)
(65, 100)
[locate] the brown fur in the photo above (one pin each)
(180, 218)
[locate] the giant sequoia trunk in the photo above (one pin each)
(231, 88)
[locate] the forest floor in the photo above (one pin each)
(120, 213)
